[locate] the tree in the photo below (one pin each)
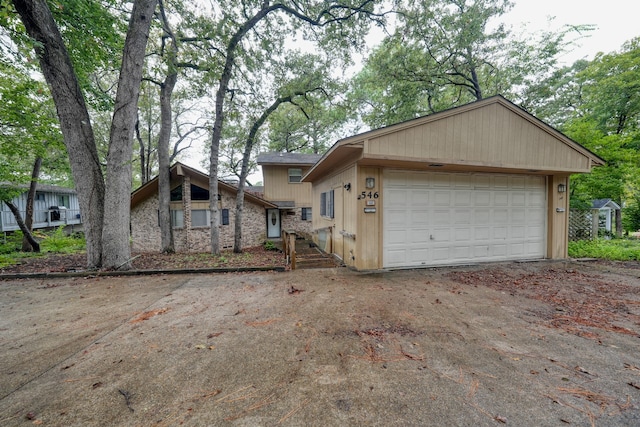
(446, 53)
(318, 15)
(106, 218)
(28, 133)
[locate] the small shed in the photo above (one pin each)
(606, 213)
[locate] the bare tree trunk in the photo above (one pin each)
(164, 139)
(31, 195)
(115, 233)
(27, 233)
(144, 175)
(619, 222)
(75, 123)
(244, 171)
(164, 178)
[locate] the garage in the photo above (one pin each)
(448, 218)
(482, 182)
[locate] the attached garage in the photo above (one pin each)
(448, 218)
(483, 182)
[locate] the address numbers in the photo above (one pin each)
(369, 195)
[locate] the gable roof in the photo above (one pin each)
(604, 203)
(490, 134)
(178, 169)
(290, 159)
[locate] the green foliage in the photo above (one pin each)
(615, 249)
(270, 246)
(59, 242)
(51, 242)
(445, 53)
(631, 215)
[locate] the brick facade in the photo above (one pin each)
(291, 219)
(145, 230)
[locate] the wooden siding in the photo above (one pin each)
(493, 136)
(558, 218)
(369, 248)
(277, 186)
(42, 215)
(344, 233)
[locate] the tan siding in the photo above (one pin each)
(558, 222)
(369, 235)
(491, 136)
(277, 186)
(344, 204)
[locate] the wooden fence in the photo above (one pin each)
(583, 224)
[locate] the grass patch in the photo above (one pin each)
(614, 249)
(51, 242)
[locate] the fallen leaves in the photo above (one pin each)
(149, 314)
(583, 302)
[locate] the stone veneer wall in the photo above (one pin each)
(295, 222)
(145, 231)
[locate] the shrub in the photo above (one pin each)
(614, 249)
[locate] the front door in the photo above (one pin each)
(273, 223)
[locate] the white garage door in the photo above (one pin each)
(450, 218)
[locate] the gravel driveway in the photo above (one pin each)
(522, 344)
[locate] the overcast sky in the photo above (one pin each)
(616, 21)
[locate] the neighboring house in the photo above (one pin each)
(282, 178)
(53, 206)
(606, 213)
(190, 214)
(486, 181)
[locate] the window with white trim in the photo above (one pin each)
(295, 175)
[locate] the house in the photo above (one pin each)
(190, 214)
(53, 206)
(486, 181)
(282, 178)
(606, 214)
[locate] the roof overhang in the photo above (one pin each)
(178, 170)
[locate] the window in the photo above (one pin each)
(326, 204)
(40, 197)
(295, 175)
(225, 217)
(199, 193)
(63, 200)
(176, 194)
(177, 218)
(199, 218)
(306, 214)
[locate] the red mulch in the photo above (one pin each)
(251, 257)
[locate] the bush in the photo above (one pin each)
(59, 242)
(270, 246)
(615, 249)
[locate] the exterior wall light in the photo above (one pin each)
(370, 182)
(562, 188)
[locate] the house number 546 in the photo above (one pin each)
(370, 195)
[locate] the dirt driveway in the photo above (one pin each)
(522, 344)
